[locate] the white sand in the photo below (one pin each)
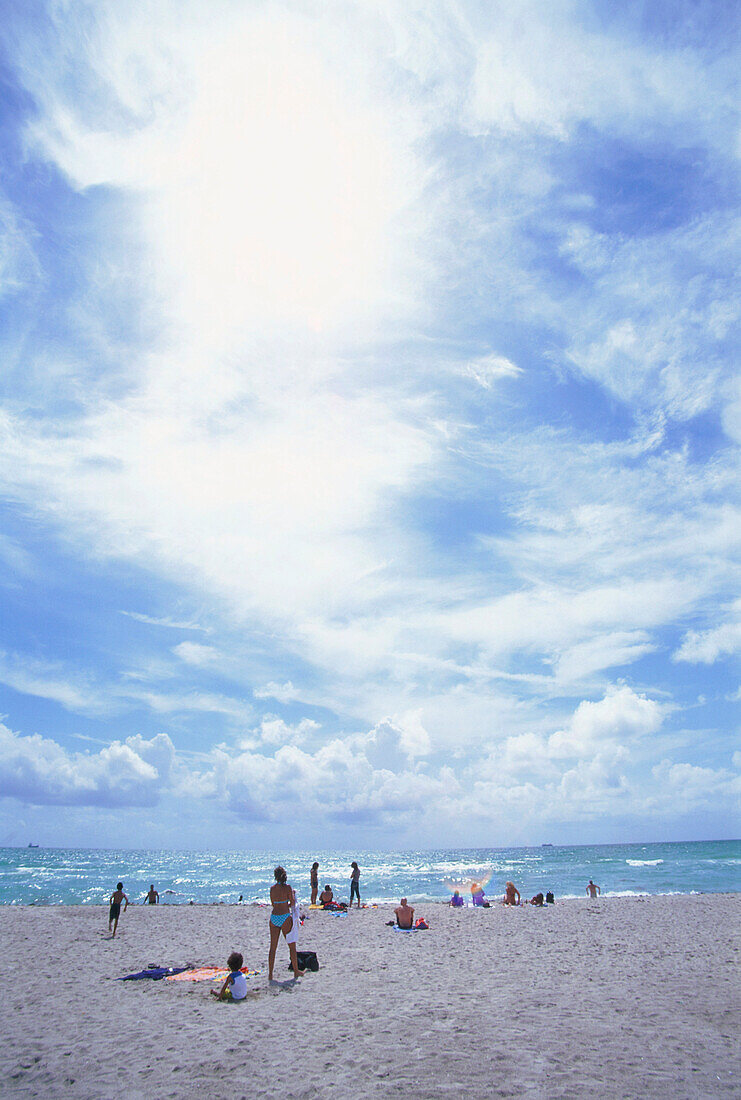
(615, 998)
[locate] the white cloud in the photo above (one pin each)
(686, 785)
(173, 624)
(489, 368)
(192, 653)
(621, 716)
(37, 770)
(707, 646)
(284, 693)
(51, 680)
(195, 702)
(604, 651)
(338, 782)
(274, 731)
(313, 208)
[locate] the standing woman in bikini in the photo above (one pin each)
(281, 895)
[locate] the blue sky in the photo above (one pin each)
(369, 423)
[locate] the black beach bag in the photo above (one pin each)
(307, 960)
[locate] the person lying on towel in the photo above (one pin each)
(404, 914)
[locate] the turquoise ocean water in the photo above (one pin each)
(84, 876)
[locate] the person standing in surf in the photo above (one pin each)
(354, 884)
(314, 882)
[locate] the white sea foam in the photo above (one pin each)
(644, 862)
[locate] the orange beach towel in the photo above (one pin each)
(207, 974)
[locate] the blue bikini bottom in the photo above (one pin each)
(279, 919)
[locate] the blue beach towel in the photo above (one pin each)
(156, 973)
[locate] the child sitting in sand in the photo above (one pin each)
(456, 901)
(115, 910)
(234, 979)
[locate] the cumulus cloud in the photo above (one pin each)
(367, 777)
(284, 693)
(689, 785)
(37, 770)
(274, 731)
(621, 716)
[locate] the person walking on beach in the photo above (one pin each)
(314, 882)
(115, 910)
(152, 897)
(354, 883)
(593, 889)
(281, 895)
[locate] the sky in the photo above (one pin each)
(369, 423)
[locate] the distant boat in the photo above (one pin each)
(546, 845)
(33, 845)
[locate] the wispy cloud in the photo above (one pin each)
(172, 624)
(397, 359)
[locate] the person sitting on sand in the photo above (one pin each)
(235, 983)
(537, 900)
(593, 889)
(281, 895)
(549, 898)
(152, 897)
(456, 901)
(511, 894)
(115, 910)
(314, 880)
(404, 914)
(478, 897)
(326, 897)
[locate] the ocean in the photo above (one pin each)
(87, 876)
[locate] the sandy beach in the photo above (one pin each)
(619, 997)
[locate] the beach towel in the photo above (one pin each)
(417, 928)
(292, 936)
(208, 974)
(155, 973)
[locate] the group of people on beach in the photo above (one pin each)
(326, 898)
(512, 896)
(284, 918)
